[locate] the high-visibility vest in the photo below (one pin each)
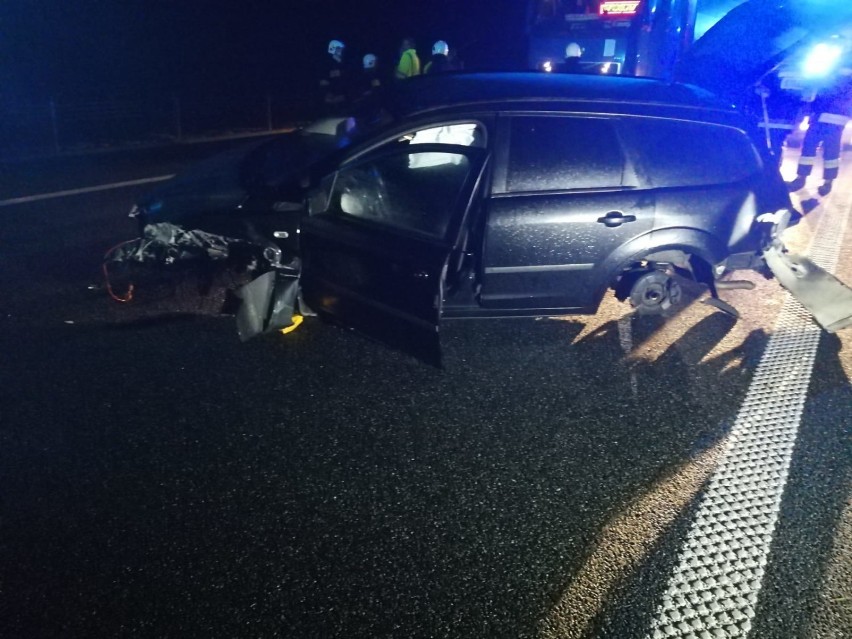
(409, 64)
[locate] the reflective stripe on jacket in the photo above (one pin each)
(833, 118)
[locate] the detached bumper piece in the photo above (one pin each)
(822, 294)
(267, 303)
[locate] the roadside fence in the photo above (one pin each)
(53, 127)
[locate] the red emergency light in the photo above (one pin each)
(618, 8)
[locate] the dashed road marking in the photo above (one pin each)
(714, 589)
(87, 189)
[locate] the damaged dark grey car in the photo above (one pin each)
(498, 195)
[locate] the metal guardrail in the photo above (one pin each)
(52, 127)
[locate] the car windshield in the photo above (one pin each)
(287, 157)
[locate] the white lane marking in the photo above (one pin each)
(87, 189)
(714, 589)
(623, 544)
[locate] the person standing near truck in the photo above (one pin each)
(572, 62)
(333, 82)
(440, 61)
(369, 81)
(409, 64)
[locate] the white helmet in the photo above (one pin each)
(369, 61)
(336, 47)
(440, 48)
(573, 50)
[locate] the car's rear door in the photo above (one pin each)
(565, 199)
(375, 252)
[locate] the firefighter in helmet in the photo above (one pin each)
(440, 60)
(571, 63)
(333, 80)
(369, 81)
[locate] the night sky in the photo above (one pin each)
(100, 48)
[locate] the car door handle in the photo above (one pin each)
(616, 218)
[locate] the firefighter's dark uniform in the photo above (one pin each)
(570, 65)
(829, 114)
(438, 63)
(333, 87)
(777, 110)
(369, 82)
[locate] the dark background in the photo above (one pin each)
(94, 49)
(103, 48)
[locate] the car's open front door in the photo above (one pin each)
(374, 257)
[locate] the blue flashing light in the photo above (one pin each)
(821, 60)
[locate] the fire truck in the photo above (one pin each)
(626, 37)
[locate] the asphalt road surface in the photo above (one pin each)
(158, 478)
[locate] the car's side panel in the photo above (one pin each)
(689, 240)
(565, 195)
(718, 181)
(544, 251)
(726, 212)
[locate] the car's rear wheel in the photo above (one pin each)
(655, 292)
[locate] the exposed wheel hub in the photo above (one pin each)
(655, 292)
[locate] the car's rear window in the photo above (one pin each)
(677, 153)
(554, 153)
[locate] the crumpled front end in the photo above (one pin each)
(264, 292)
(165, 243)
(190, 266)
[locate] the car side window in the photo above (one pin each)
(470, 134)
(461, 133)
(691, 154)
(554, 153)
(413, 190)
